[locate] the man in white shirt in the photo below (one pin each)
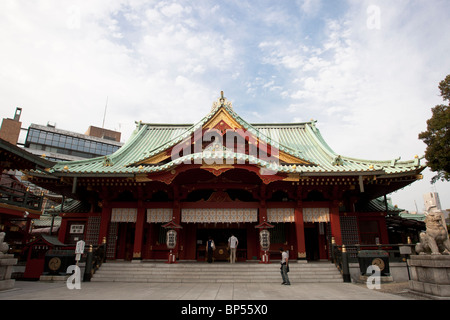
(210, 247)
(232, 244)
(284, 267)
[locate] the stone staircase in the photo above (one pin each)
(215, 273)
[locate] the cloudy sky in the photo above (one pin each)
(367, 71)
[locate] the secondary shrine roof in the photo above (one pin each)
(303, 151)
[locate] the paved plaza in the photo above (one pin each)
(39, 290)
(208, 300)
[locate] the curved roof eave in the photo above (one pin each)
(301, 140)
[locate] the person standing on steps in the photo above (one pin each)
(232, 245)
(210, 247)
(284, 267)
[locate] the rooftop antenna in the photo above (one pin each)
(104, 114)
(433, 187)
(417, 209)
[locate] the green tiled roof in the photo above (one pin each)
(378, 205)
(70, 205)
(301, 140)
(412, 216)
(46, 221)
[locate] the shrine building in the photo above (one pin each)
(224, 176)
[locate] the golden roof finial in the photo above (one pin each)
(221, 102)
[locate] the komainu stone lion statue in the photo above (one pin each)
(4, 247)
(435, 239)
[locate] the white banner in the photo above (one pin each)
(124, 215)
(159, 215)
(214, 215)
(280, 215)
(316, 214)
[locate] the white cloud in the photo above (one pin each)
(65, 60)
(173, 10)
(361, 79)
(371, 89)
(310, 7)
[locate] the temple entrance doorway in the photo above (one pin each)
(311, 242)
(125, 241)
(316, 241)
(220, 235)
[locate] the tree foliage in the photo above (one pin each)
(437, 136)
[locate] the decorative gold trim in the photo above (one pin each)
(301, 254)
(291, 159)
(217, 166)
(222, 115)
(155, 159)
(294, 177)
(142, 178)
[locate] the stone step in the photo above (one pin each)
(217, 280)
(202, 265)
(214, 273)
(211, 272)
(215, 266)
(212, 269)
(214, 279)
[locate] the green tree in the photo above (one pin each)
(437, 136)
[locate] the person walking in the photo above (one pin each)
(284, 267)
(232, 244)
(210, 247)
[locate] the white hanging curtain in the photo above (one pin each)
(216, 215)
(124, 215)
(276, 215)
(316, 215)
(159, 215)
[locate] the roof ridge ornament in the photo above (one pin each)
(221, 102)
(394, 161)
(313, 124)
(338, 161)
(417, 160)
(107, 162)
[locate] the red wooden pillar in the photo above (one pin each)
(262, 218)
(335, 223)
(62, 230)
(262, 205)
(27, 234)
(104, 222)
(300, 231)
(262, 213)
(138, 233)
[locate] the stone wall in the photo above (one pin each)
(430, 275)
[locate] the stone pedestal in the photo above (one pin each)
(430, 275)
(7, 261)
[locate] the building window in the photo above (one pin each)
(64, 144)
